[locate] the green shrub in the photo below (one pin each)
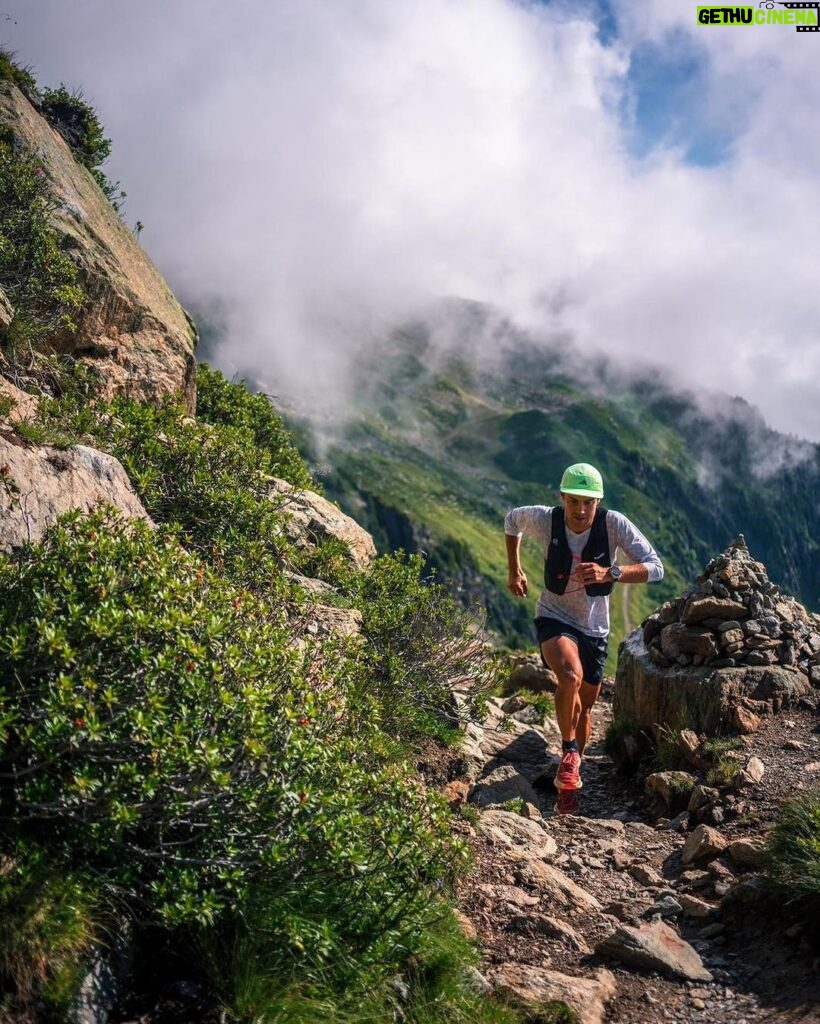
(438, 983)
(794, 853)
(211, 479)
(418, 643)
(38, 277)
(135, 721)
(616, 732)
(719, 746)
(164, 726)
(208, 480)
(629, 746)
(22, 77)
(78, 123)
(67, 412)
(156, 727)
(517, 805)
(230, 403)
(470, 813)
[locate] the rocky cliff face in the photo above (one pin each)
(131, 328)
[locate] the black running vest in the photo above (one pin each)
(558, 563)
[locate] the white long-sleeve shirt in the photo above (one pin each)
(575, 606)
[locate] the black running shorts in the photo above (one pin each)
(591, 649)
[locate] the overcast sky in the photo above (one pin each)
(609, 172)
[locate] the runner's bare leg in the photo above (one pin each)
(583, 730)
(574, 698)
(561, 654)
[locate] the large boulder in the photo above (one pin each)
(131, 329)
(699, 698)
(312, 518)
(37, 484)
(528, 672)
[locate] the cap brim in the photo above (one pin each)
(581, 493)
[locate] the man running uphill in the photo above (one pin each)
(580, 540)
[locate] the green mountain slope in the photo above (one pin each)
(436, 450)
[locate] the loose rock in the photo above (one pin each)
(654, 947)
(703, 844)
(587, 996)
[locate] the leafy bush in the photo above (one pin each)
(134, 723)
(230, 403)
(439, 991)
(156, 725)
(78, 124)
(794, 853)
(418, 643)
(22, 77)
(164, 726)
(208, 480)
(67, 410)
(38, 277)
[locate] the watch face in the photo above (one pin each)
(615, 572)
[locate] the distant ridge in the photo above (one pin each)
(437, 445)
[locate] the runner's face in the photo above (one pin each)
(579, 512)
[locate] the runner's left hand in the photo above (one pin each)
(591, 572)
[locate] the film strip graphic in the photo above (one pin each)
(814, 5)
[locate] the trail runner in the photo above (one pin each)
(580, 540)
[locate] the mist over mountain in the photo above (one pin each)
(445, 432)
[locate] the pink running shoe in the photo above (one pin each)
(569, 771)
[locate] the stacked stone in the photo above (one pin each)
(735, 616)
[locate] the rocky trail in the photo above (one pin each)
(625, 913)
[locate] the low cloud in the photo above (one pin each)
(322, 171)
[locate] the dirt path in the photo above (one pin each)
(762, 964)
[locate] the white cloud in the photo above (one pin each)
(327, 167)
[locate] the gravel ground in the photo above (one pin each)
(765, 962)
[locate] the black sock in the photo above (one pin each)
(568, 745)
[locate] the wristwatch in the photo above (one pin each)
(615, 572)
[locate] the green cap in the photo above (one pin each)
(583, 480)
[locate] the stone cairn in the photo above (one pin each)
(735, 616)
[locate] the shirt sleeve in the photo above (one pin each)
(636, 547)
(534, 520)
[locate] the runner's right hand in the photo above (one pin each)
(517, 583)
